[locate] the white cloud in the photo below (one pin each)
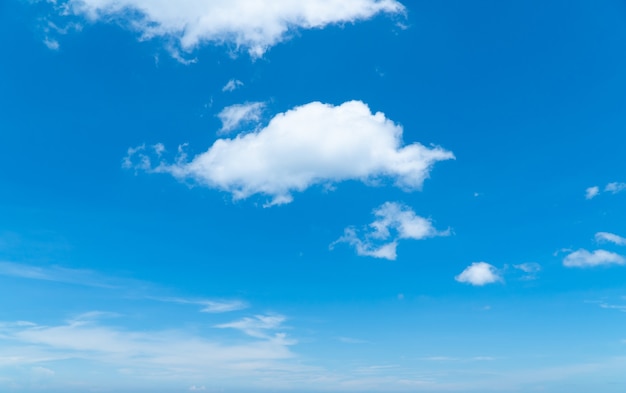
(621, 308)
(51, 43)
(195, 388)
(237, 115)
(611, 238)
(592, 192)
(530, 268)
(584, 258)
(309, 145)
(479, 274)
(166, 351)
(57, 274)
(615, 187)
(208, 306)
(254, 25)
(394, 222)
(255, 327)
(232, 85)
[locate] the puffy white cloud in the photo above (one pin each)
(591, 192)
(479, 274)
(584, 258)
(394, 221)
(237, 115)
(311, 144)
(232, 85)
(611, 238)
(255, 25)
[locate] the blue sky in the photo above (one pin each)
(317, 196)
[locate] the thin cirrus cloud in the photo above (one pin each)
(132, 288)
(604, 237)
(253, 25)
(257, 326)
(167, 351)
(479, 274)
(313, 144)
(530, 269)
(583, 258)
(235, 116)
(208, 306)
(394, 221)
(58, 274)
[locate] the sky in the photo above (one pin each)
(312, 196)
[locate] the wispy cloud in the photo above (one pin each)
(165, 350)
(57, 274)
(530, 268)
(256, 326)
(209, 306)
(235, 116)
(603, 237)
(232, 85)
(125, 287)
(479, 274)
(394, 222)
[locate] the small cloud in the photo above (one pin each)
(256, 326)
(91, 316)
(602, 237)
(237, 115)
(591, 192)
(159, 149)
(401, 296)
(232, 85)
(479, 274)
(621, 308)
(195, 388)
(51, 43)
(530, 268)
(584, 258)
(615, 187)
(394, 222)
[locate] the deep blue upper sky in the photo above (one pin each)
(122, 275)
